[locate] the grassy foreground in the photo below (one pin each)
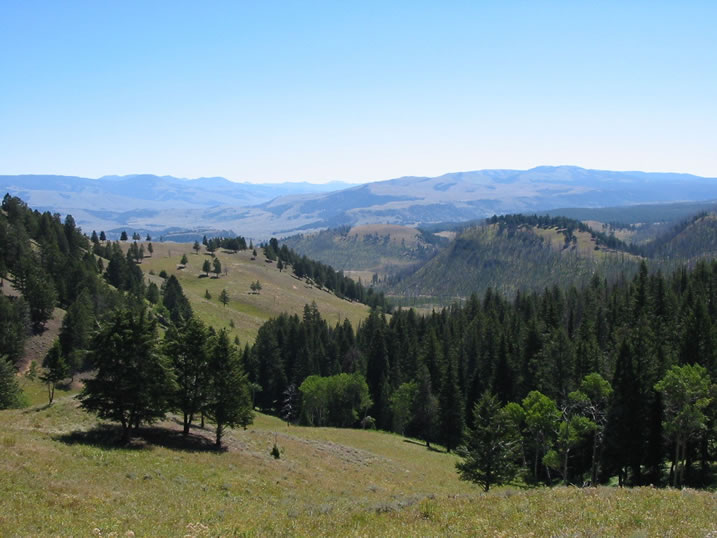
(60, 474)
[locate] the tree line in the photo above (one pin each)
(324, 275)
(587, 376)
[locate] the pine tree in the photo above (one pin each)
(175, 301)
(223, 297)
(206, 267)
(186, 347)
(10, 392)
(451, 406)
(492, 449)
(134, 381)
(217, 267)
(424, 412)
(229, 399)
(56, 369)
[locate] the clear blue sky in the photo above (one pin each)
(270, 91)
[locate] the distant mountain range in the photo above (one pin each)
(152, 203)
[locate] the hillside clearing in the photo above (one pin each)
(281, 290)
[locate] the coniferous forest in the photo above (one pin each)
(581, 384)
(611, 381)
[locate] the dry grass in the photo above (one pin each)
(327, 482)
(281, 291)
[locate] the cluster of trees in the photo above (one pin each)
(193, 370)
(598, 358)
(324, 275)
(235, 244)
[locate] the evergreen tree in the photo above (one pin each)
(10, 392)
(223, 297)
(175, 301)
(451, 406)
(56, 369)
(134, 382)
(424, 413)
(228, 399)
(217, 267)
(186, 347)
(206, 267)
(123, 236)
(492, 449)
(196, 247)
(184, 260)
(103, 237)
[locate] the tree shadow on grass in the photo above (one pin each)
(110, 437)
(431, 448)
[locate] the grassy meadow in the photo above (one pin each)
(281, 291)
(63, 475)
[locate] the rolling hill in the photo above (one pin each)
(281, 291)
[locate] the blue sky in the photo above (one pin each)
(358, 91)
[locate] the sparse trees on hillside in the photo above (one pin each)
(224, 297)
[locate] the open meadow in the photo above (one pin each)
(62, 474)
(280, 291)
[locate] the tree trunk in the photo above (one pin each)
(676, 463)
(185, 431)
(220, 431)
(593, 474)
(565, 467)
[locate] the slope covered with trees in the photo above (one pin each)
(517, 252)
(584, 373)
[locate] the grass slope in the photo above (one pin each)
(281, 291)
(60, 476)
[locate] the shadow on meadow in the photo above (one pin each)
(109, 436)
(431, 448)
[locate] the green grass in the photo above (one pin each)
(281, 291)
(326, 482)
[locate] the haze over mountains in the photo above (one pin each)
(158, 204)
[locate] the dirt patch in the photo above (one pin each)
(37, 345)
